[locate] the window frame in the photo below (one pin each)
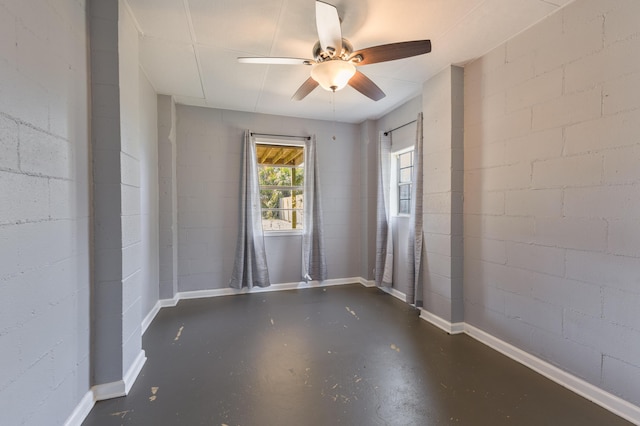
(396, 181)
(292, 188)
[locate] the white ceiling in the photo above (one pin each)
(188, 48)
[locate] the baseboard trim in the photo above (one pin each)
(218, 292)
(613, 403)
(146, 321)
(169, 303)
(395, 293)
(81, 411)
(133, 372)
(108, 390)
(449, 327)
(610, 402)
(121, 387)
(366, 283)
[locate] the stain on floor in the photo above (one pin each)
(286, 358)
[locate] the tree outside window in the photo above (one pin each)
(281, 179)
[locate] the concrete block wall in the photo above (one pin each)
(442, 130)
(107, 224)
(131, 150)
(125, 197)
(149, 197)
(44, 211)
(368, 194)
(552, 190)
(209, 147)
(167, 198)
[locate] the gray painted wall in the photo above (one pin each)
(443, 177)
(124, 135)
(167, 198)
(400, 139)
(209, 146)
(131, 206)
(368, 194)
(44, 212)
(552, 193)
(149, 200)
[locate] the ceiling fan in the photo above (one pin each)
(334, 64)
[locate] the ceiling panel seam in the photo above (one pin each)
(273, 42)
(194, 45)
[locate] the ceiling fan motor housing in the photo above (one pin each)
(329, 54)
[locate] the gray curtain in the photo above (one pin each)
(250, 267)
(384, 240)
(416, 235)
(314, 265)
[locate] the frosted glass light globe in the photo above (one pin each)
(333, 75)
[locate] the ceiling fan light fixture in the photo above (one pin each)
(334, 74)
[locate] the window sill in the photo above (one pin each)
(407, 216)
(283, 233)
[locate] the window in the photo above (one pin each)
(404, 163)
(281, 179)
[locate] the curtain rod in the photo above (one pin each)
(399, 127)
(281, 136)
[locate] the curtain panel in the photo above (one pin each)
(384, 239)
(250, 266)
(416, 234)
(314, 264)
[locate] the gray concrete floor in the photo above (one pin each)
(344, 355)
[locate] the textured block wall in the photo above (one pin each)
(44, 211)
(209, 147)
(552, 193)
(442, 192)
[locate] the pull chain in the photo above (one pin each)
(333, 104)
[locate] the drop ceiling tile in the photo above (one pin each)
(460, 31)
(171, 67)
(229, 84)
(165, 19)
(244, 26)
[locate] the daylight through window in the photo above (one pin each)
(405, 172)
(281, 179)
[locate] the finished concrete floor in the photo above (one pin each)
(344, 355)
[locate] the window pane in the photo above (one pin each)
(281, 179)
(406, 159)
(298, 176)
(404, 206)
(277, 176)
(405, 192)
(268, 198)
(405, 174)
(281, 220)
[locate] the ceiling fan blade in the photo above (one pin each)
(364, 85)
(306, 88)
(391, 52)
(328, 24)
(276, 61)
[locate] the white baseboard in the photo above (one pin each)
(133, 372)
(169, 303)
(108, 390)
(199, 294)
(81, 411)
(451, 328)
(121, 387)
(395, 293)
(615, 404)
(150, 316)
(366, 283)
(605, 399)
